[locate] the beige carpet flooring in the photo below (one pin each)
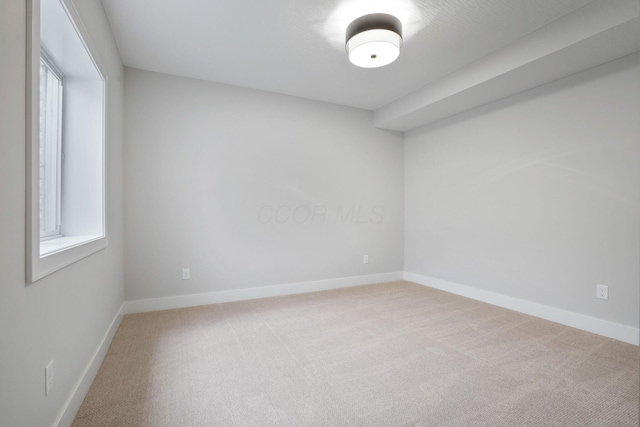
(393, 354)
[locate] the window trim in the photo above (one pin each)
(37, 265)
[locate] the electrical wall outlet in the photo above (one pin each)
(186, 273)
(48, 378)
(602, 292)
(365, 259)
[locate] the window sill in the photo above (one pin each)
(59, 253)
(52, 246)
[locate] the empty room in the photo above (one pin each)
(319, 213)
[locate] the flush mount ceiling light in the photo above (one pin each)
(374, 40)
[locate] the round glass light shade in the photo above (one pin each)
(374, 48)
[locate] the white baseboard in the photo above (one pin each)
(181, 301)
(606, 328)
(73, 403)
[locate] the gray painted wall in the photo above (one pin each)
(536, 196)
(251, 188)
(65, 315)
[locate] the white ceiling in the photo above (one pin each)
(296, 47)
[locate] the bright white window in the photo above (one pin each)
(65, 140)
(50, 154)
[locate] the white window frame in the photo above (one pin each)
(44, 257)
(57, 196)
